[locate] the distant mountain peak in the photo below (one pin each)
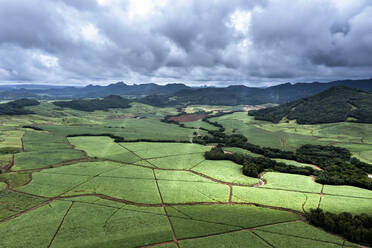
(121, 83)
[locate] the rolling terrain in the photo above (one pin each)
(125, 177)
(182, 95)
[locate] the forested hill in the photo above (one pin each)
(17, 107)
(90, 105)
(336, 104)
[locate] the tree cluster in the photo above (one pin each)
(238, 140)
(323, 156)
(117, 139)
(90, 105)
(338, 166)
(356, 228)
(252, 166)
(33, 127)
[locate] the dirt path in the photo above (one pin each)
(315, 167)
(158, 244)
(175, 155)
(304, 204)
(26, 210)
(137, 155)
(250, 229)
(11, 163)
(85, 154)
(23, 146)
(8, 168)
(219, 181)
(165, 210)
(261, 181)
(300, 237)
(230, 194)
(266, 242)
(106, 197)
(198, 163)
(320, 196)
(60, 225)
(56, 165)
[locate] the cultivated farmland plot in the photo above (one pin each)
(90, 191)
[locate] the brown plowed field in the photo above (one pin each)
(187, 118)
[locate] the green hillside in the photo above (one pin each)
(336, 104)
(17, 107)
(90, 105)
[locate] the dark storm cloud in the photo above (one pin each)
(215, 42)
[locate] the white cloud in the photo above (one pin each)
(241, 21)
(235, 41)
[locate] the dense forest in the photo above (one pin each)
(338, 166)
(356, 228)
(253, 166)
(17, 107)
(90, 105)
(336, 104)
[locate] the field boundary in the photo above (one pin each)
(60, 224)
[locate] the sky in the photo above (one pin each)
(196, 42)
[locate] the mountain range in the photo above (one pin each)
(173, 94)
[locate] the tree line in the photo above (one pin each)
(338, 166)
(253, 166)
(356, 228)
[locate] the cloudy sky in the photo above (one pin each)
(200, 42)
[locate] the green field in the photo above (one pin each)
(242, 151)
(291, 182)
(291, 162)
(225, 171)
(356, 137)
(32, 160)
(90, 191)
